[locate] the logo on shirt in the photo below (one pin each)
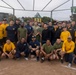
(24, 44)
(13, 28)
(29, 27)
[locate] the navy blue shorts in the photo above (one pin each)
(33, 53)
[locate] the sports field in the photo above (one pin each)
(31, 67)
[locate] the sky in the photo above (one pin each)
(39, 5)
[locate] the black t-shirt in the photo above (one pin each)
(45, 34)
(17, 26)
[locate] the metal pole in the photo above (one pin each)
(11, 8)
(20, 4)
(13, 14)
(33, 4)
(61, 5)
(72, 7)
(72, 3)
(31, 10)
(5, 7)
(61, 10)
(47, 5)
(7, 4)
(51, 15)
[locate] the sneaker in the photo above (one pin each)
(42, 59)
(62, 60)
(26, 59)
(69, 65)
(37, 58)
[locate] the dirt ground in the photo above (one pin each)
(31, 67)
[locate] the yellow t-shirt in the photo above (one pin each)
(64, 35)
(4, 27)
(68, 47)
(8, 47)
(1, 32)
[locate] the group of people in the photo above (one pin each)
(43, 41)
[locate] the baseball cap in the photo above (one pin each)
(33, 36)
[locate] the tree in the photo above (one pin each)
(45, 19)
(11, 17)
(28, 19)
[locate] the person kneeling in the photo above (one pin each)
(67, 51)
(8, 49)
(46, 51)
(34, 47)
(22, 49)
(57, 48)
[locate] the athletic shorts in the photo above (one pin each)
(33, 53)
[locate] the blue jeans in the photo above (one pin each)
(69, 57)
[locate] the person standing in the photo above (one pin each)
(1, 35)
(17, 25)
(35, 27)
(11, 31)
(22, 32)
(1, 40)
(55, 33)
(73, 24)
(39, 34)
(4, 25)
(45, 34)
(50, 28)
(64, 34)
(29, 31)
(71, 30)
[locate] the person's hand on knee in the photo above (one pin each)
(22, 53)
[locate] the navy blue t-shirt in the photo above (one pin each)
(29, 28)
(34, 44)
(21, 47)
(11, 31)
